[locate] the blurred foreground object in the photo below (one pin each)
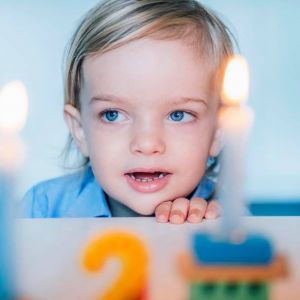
(236, 119)
(232, 263)
(132, 253)
(13, 113)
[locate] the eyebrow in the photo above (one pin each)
(113, 98)
(107, 98)
(183, 100)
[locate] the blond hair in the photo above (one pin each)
(113, 23)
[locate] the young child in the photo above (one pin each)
(141, 104)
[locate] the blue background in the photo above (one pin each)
(33, 36)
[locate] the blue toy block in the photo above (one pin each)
(253, 250)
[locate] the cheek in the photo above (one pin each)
(107, 151)
(192, 150)
(104, 142)
(191, 143)
(104, 153)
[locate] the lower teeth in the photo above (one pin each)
(147, 179)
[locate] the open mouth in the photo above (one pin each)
(147, 176)
(147, 181)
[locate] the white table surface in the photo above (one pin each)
(49, 252)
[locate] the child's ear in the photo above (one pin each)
(217, 143)
(73, 121)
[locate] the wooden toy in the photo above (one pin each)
(230, 282)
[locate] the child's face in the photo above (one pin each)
(148, 121)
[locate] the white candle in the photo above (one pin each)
(13, 111)
(236, 121)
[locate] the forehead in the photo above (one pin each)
(147, 67)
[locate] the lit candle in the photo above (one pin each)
(13, 112)
(236, 120)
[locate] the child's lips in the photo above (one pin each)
(148, 170)
(147, 180)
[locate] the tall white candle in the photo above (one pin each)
(13, 111)
(13, 114)
(236, 120)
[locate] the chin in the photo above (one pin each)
(146, 211)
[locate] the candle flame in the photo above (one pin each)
(13, 106)
(236, 81)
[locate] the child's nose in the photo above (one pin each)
(148, 142)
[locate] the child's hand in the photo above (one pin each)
(182, 209)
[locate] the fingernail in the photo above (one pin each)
(176, 218)
(195, 215)
(210, 215)
(194, 218)
(162, 219)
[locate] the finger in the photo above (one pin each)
(213, 210)
(197, 210)
(162, 212)
(179, 210)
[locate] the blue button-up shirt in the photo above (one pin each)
(80, 195)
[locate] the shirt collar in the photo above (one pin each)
(90, 200)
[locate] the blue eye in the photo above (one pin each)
(112, 115)
(179, 115)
